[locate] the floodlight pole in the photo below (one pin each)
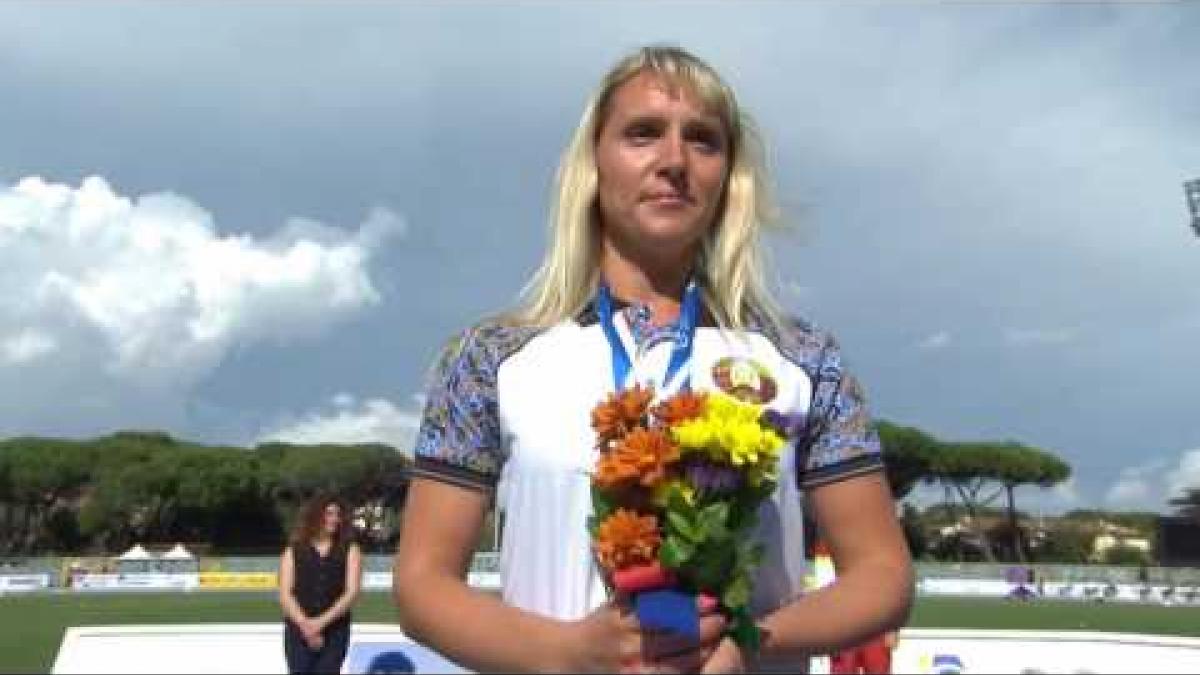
(1191, 188)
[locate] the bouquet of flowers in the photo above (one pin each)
(676, 490)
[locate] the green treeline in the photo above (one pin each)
(972, 477)
(104, 494)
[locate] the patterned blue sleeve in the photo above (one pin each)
(460, 439)
(840, 441)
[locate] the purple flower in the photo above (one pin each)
(712, 479)
(788, 426)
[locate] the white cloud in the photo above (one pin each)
(935, 342)
(1153, 484)
(1185, 475)
(146, 294)
(971, 167)
(1130, 488)
(1021, 337)
(348, 420)
(1066, 493)
(26, 346)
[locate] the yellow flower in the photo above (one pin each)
(730, 432)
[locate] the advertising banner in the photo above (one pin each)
(488, 581)
(380, 648)
(375, 581)
(16, 583)
(130, 582)
(391, 652)
(996, 651)
(231, 648)
(997, 588)
(239, 580)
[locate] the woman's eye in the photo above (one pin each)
(707, 141)
(641, 133)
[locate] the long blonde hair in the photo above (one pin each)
(730, 268)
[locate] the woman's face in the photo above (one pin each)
(332, 519)
(661, 159)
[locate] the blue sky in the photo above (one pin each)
(239, 221)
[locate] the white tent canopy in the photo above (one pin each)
(178, 552)
(138, 552)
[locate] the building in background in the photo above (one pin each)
(1114, 536)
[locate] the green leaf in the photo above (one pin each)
(756, 556)
(715, 513)
(713, 564)
(675, 552)
(745, 631)
(677, 502)
(713, 520)
(684, 527)
(749, 555)
(744, 514)
(602, 504)
(737, 594)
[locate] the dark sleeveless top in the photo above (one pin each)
(320, 580)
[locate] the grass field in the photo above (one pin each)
(32, 625)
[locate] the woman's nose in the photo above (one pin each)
(672, 159)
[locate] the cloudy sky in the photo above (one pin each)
(243, 221)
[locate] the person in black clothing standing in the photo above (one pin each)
(320, 574)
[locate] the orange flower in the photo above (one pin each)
(613, 469)
(642, 456)
(680, 408)
(635, 401)
(620, 414)
(626, 539)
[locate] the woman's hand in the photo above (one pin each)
(611, 640)
(726, 658)
(668, 653)
(665, 653)
(311, 629)
(603, 640)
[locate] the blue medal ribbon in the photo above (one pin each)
(669, 609)
(685, 335)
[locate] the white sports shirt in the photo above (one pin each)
(509, 411)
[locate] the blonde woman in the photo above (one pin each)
(653, 276)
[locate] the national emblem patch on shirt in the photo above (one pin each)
(745, 379)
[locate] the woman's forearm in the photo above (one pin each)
(858, 606)
(476, 629)
(291, 608)
(338, 609)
